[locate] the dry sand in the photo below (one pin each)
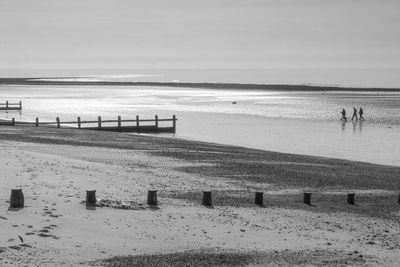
(54, 167)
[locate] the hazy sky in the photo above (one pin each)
(235, 34)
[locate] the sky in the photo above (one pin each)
(208, 34)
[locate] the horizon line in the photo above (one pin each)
(205, 85)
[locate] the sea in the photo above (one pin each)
(283, 121)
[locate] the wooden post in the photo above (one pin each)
(90, 197)
(207, 198)
(13, 121)
(156, 121)
(399, 199)
(259, 199)
(99, 121)
(174, 123)
(16, 198)
(6, 104)
(20, 104)
(79, 122)
(58, 122)
(119, 123)
(307, 198)
(350, 198)
(152, 197)
(137, 122)
(37, 121)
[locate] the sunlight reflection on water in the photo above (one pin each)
(294, 122)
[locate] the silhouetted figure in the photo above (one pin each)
(343, 115)
(361, 112)
(354, 114)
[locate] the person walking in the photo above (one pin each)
(354, 114)
(343, 115)
(361, 112)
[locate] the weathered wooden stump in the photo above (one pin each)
(259, 199)
(156, 121)
(90, 197)
(307, 198)
(207, 198)
(174, 123)
(17, 198)
(350, 198)
(152, 197)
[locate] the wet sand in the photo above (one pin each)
(55, 167)
(305, 123)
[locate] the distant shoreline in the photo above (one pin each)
(204, 85)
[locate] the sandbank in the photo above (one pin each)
(55, 167)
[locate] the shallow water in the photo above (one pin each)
(293, 122)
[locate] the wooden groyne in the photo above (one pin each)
(120, 125)
(11, 106)
(17, 198)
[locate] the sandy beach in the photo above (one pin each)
(121, 121)
(55, 167)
